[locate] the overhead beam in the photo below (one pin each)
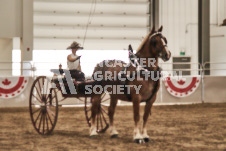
(89, 38)
(98, 1)
(81, 26)
(78, 14)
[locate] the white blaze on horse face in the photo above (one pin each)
(166, 48)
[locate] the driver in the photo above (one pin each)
(73, 62)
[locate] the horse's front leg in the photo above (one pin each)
(111, 111)
(147, 112)
(136, 111)
(94, 112)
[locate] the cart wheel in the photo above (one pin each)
(43, 105)
(102, 117)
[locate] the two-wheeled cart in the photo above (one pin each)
(44, 104)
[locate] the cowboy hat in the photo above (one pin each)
(74, 45)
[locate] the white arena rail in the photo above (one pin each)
(210, 88)
(16, 68)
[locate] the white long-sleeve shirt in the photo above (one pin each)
(73, 65)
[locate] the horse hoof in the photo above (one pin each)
(114, 136)
(139, 141)
(146, 140)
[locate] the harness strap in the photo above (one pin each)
(134, 62)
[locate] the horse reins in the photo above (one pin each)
(135, 63)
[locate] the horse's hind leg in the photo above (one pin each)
(147, 112)
(111, 112)
(138, 138)
(95, 109)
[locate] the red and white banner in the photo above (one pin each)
(11, 87)
(182, 87)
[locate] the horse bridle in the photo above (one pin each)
(163, 46)
(134, 60)
(135, 63)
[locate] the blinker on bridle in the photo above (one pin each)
(164, 44)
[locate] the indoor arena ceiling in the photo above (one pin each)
(112, 24)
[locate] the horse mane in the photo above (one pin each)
(143, 42)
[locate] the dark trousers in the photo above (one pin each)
(77, 75)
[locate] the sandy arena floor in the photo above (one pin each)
(190, 127)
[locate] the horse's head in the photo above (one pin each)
(155, 45)
(158, 44)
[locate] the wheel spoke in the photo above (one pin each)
(103, 117)
(47, 124)
(36, 111)
(40, 122)
(43, 87)
(48, 98)
(103, 96)
(37, 98)
(50, 119)
(104, 110)
(51, 112)
(47, 87)
(104, 105)
(101, 123)
(40, 89)
(90, 117)
(37, 117)
(51, 98)
(38, 92)
(97, 121)
(43, 123)
(105, 100)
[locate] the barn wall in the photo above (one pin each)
(180, 21)
(218, 36)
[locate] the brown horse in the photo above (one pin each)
(154, 46)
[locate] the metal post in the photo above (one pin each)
(150, 22)
(154, 14)
(27, 36)
(204, 32)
